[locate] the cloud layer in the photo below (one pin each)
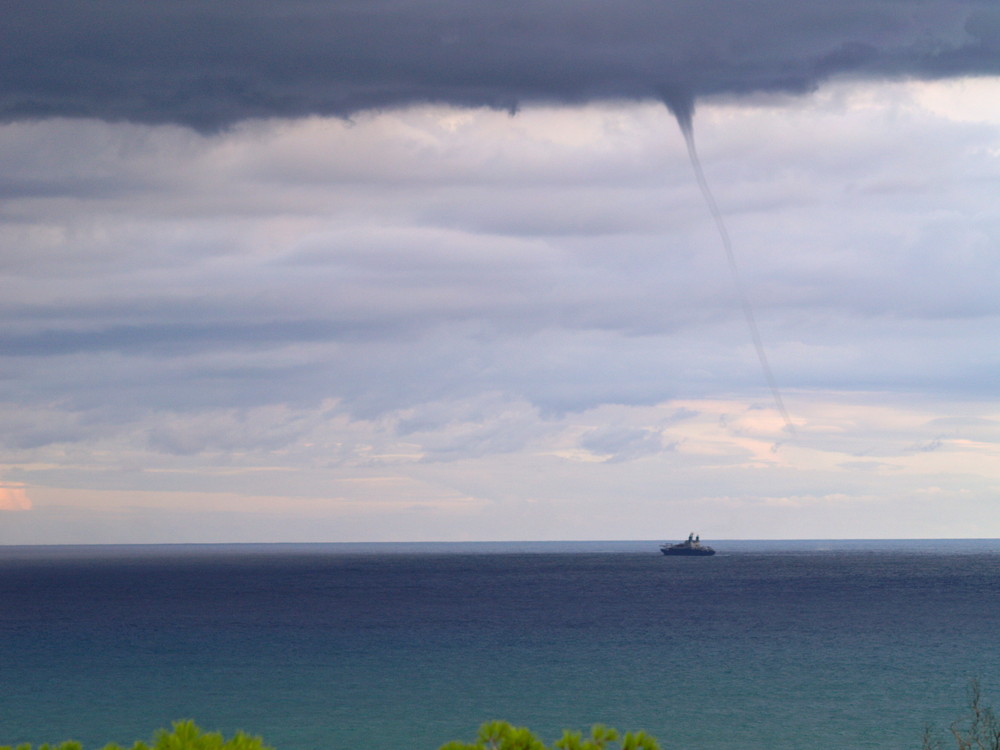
(440, 323)
(209, 65)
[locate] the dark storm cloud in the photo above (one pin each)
(209, 64)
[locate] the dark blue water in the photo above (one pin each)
(767, 645)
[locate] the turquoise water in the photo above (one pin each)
(766, 645)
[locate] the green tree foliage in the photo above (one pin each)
(185, 735)
(499, 735)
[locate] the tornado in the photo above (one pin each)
(682, 108)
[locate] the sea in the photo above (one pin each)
(766, 645)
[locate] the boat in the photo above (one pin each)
(692, 547)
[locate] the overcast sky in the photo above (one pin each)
(327, 270)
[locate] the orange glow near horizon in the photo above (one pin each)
(14, 497)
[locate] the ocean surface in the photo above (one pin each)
(776, 645)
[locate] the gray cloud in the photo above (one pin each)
(208, 65)
(238, 277)
(623, 443)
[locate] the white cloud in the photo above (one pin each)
(960, 99)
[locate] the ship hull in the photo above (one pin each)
(687, 551)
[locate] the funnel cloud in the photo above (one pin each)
(684, 119)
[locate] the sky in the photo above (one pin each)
(440, 270)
